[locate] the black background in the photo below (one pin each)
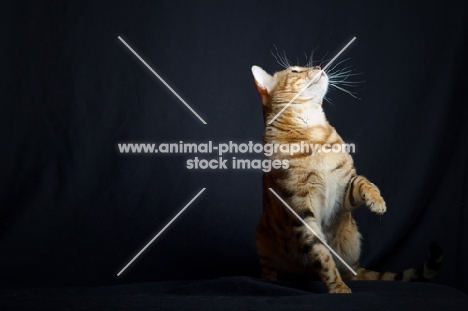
(75, 211)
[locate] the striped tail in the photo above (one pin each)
(424, 274)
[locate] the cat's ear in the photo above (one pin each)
(264, 81)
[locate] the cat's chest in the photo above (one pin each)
(332, 183)
(325, 162)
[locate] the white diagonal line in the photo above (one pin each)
(162, 80)
(311, 81)
(162, 230)
(315, 233)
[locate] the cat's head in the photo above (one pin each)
(284, 85)
(276, 91)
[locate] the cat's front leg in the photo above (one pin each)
(319, 257)
(322, 263)
(362, 191)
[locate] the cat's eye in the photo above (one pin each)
(295, 71)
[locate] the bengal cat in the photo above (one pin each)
(322, 188)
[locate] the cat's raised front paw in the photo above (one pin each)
(377, 206)
(375, 202)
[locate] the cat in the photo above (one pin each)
(323, 188)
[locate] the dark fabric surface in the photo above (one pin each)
(239, 293)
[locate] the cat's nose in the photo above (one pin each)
(314, 73)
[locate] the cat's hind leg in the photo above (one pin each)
(265, 253)
(346, 242)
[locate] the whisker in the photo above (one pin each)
(340, 72)
(286, 60)
(340, 62)
(321, 61)
(310, 62)
(282, 61)
(345, 90)
(348, 83)
(329, 100)
(341, 77)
